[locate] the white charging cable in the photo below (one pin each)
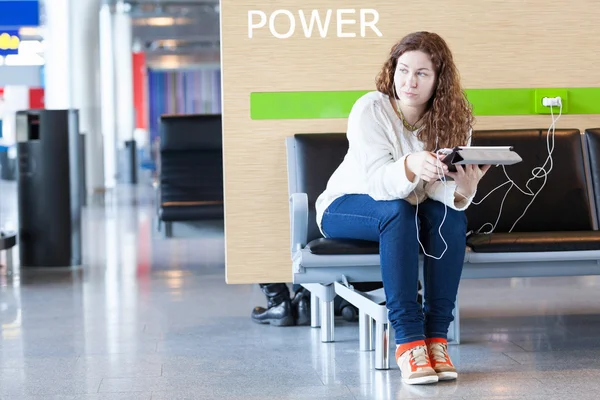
(537, 173)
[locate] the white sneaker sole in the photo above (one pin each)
(423, 380)
(447, 376)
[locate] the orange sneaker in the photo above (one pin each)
(415, 367)
(440, 360)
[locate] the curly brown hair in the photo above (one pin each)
(448, 119)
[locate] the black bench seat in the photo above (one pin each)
(190, 186)
(557, 236)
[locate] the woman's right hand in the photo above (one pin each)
(426, 165)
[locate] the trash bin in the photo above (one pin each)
(129, 162)
(81, 168)
(48, 184)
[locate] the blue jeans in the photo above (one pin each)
(392, 224)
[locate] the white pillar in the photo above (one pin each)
(71, 74)
(123, 50)
(86, 86)
(108, 98)
(58, 56)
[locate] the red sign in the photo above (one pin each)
(140, 99)
(36, 98)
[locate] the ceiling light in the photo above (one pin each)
(160, 21)
(29, 31)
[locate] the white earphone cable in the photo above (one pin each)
(442, 178)
(537, 173)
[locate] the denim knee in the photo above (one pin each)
(455, 221)
(397, 211)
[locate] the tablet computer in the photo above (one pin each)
(480, 155)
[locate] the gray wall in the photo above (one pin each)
(26, 75)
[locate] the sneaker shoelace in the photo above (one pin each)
(418, 356)
(439, 353)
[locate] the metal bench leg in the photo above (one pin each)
(370, 307)
(315, 321)
(327, 321)
(365, 328)
(322, 298)
(168, 229)
(9, 261)
(382, 345)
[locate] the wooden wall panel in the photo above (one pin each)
(496, 43)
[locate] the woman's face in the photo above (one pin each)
(414, 78)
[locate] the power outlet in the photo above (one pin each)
(541, 93)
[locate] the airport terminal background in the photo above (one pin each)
(146, 313)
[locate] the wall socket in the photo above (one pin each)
(551, 93)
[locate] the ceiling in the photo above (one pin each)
(177, 32)
(174, 34)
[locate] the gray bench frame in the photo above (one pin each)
(328, 275)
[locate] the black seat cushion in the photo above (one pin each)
(324, 246)
(8, 240)
(562, 205)
(534, 242)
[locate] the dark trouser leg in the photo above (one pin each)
(392, 224)
(441, 276)
(301, 305)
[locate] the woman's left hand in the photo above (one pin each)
(467, 178)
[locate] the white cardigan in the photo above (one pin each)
(374, 164)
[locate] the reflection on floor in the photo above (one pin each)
(149, 318)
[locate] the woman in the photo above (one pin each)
(392, 174)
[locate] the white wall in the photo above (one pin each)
(16, 98)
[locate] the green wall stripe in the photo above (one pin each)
(486, 102)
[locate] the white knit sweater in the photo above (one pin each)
(374, 164)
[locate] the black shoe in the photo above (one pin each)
(279, 306)
(301, 306)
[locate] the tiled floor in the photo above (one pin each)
(153, 319)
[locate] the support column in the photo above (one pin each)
(72, 58)
(58, 56)
(125, 111)
(86, 93)
(108, 96)
(123, 50)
